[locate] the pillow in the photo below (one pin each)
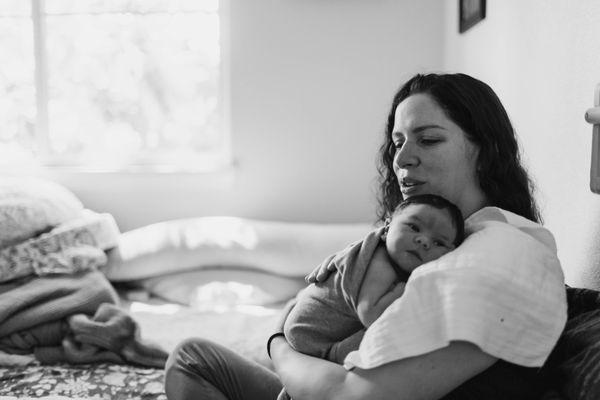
(281, 248)
(574, 365)
(216, 288)
(30, 206)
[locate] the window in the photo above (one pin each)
(112, 85)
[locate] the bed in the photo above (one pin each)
(222, 278)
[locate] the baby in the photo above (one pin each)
(329, 318)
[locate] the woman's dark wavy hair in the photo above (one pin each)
(477, 110)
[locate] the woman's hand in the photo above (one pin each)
(322, 272)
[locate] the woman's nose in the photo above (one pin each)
(423, 241)
(405, 156)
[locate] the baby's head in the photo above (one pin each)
(423, 228)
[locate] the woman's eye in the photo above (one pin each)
(429, 142)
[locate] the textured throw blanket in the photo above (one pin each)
(72, 318)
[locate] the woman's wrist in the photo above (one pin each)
(270, 341)
(279, 347)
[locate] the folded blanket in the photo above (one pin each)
(73, 246)
(31, 301)
(72, 319)
(481, 293)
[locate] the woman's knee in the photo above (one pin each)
(192, 353)
(193, 370)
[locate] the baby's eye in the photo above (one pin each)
(413, 227)
(439, 243)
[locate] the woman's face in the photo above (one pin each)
(433, 155)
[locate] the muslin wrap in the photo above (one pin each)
(502, 289)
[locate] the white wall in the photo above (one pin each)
(543, 59)
(311, 82)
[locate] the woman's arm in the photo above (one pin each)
(379, 288)
(339, 351)
(426, 377)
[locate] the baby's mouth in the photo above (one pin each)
(416, 254)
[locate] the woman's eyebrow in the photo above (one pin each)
(422, 128)
(419, 129)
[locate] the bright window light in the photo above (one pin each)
(112, 85)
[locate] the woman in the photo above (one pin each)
(447, 135)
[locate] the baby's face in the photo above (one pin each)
(418, 234)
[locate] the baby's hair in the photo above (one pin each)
(442, 204)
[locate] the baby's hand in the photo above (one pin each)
(322, 272)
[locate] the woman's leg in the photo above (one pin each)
(201, 369)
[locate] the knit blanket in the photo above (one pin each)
(72, 246)
(73, 318)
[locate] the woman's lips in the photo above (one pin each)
(409, 186)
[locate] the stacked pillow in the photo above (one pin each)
(30, 206)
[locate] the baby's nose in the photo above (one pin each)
(423, 241)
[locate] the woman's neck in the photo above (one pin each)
(475, 204)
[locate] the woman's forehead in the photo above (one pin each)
(419, 109)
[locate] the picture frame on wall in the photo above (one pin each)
(470, 12)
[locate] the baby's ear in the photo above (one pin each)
(386, 227)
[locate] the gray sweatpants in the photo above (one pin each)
(201, 369)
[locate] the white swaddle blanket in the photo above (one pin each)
(502, 289)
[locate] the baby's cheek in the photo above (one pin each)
(438, 254)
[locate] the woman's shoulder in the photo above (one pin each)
(493, 216)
